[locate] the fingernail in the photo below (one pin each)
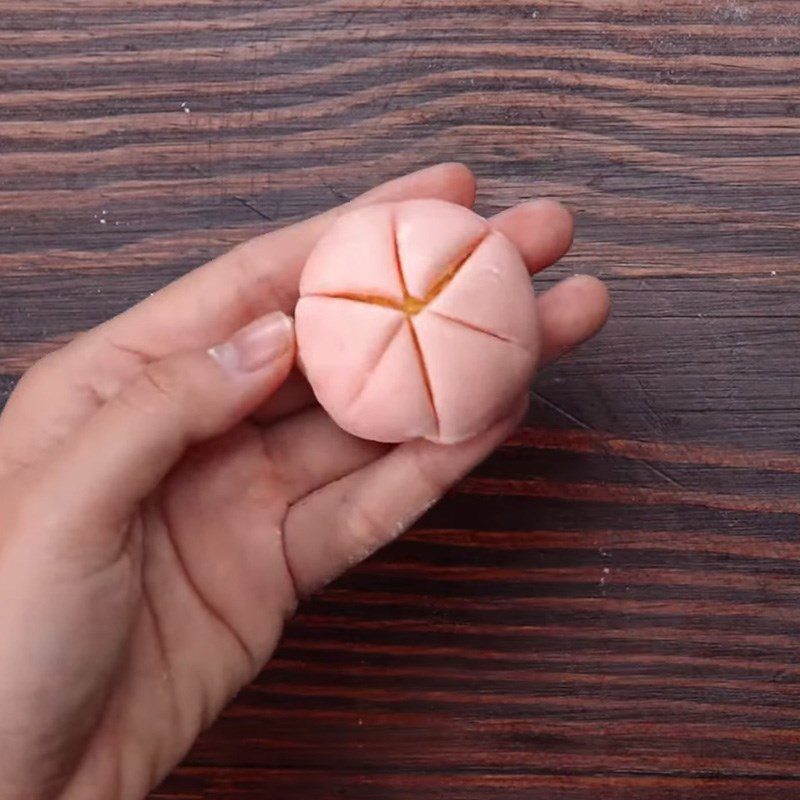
(255, 346)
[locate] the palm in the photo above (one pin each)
(214, 593)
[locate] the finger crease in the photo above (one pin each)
(207, 606)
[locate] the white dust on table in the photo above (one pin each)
(733, 12)
(103, 219)
(606, 571)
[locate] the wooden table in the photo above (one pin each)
(610, 607)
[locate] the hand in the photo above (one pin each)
(163, 506)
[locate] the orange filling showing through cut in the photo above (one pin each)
(411, 305)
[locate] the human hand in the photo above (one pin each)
(164, 506)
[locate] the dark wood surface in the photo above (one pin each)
(610, 607)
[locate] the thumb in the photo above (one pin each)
(132, 442)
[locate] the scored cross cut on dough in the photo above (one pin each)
(398, 383)
(464, 409)
(350, 340)
(396, 275)
(363, 240)
(416, 320)
(434, 238)
(492, 277)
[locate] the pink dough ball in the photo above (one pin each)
(416, 319)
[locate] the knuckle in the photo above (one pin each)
(356, 520)
(361, 529)
(159, 386)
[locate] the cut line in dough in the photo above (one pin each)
(368, 373)
(477, 328)
(440, 284)
(410, 307)
(426, 378)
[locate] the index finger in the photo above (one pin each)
(200, 309)
(261, 275)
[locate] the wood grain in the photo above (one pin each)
(609, 607)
